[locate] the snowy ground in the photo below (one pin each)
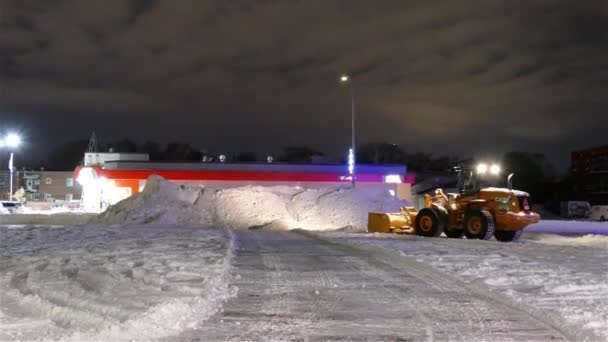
(561, 276)
(107, 283)
(138, 273)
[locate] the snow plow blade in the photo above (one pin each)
(400, 223)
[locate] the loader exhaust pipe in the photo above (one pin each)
(510, 182)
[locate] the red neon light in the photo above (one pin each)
(255, 176)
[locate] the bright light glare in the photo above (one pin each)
(482, 168)
(1, 143)
(495, 169)
(344, 78)
(392, 179)
(87, 177)
(12, 140)
(351, 162)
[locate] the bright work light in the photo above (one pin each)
(482, 168)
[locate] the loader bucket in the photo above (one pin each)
(391, 222)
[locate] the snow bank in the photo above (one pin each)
(589, 240)
(46, 219)
(110, 283)
(569, 227)
(253, 206)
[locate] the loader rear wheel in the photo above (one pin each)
(428, 223)
(505, 236)
(479, 224)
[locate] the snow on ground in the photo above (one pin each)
(110, 283)
(589, 240)
(278, 206)
(572, 227)
(568, 279)
(47, 218)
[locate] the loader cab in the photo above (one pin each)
(468, 182)
(471, 180)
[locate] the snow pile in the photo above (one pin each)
(99, 283)
(253, 206)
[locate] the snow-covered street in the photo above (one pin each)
(138, 282)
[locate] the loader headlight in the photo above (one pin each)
(482, 168)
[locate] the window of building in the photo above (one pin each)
(49, 180)
(36, 181)
(48, 197)
(69, 197)
(69, 182)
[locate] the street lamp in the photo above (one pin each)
(346, 79)
(11, 141)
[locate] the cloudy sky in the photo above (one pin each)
(469, 77)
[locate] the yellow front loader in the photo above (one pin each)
(475, 212)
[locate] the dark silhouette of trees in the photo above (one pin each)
(153, 149)
(532, 173)
(123, 146)
(245, 157)
(67, 156)
(386, 153)
(299, 154)
(181, 152)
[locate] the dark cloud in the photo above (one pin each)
(462, 77)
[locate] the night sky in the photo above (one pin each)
(467, 77)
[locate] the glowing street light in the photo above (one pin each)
(11, 140)
(346, 79)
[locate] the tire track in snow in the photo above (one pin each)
(554, 324)
(286, 293)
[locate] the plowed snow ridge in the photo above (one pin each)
(279, 206)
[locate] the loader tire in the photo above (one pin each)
(479, 224)
(506, 236)
(428, 223)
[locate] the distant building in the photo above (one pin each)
(59, 186)
(31, 184)
(50, 186)
(591, 166)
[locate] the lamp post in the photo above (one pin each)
(10, 141)
(347, 79)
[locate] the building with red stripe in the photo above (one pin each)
(106, 182)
